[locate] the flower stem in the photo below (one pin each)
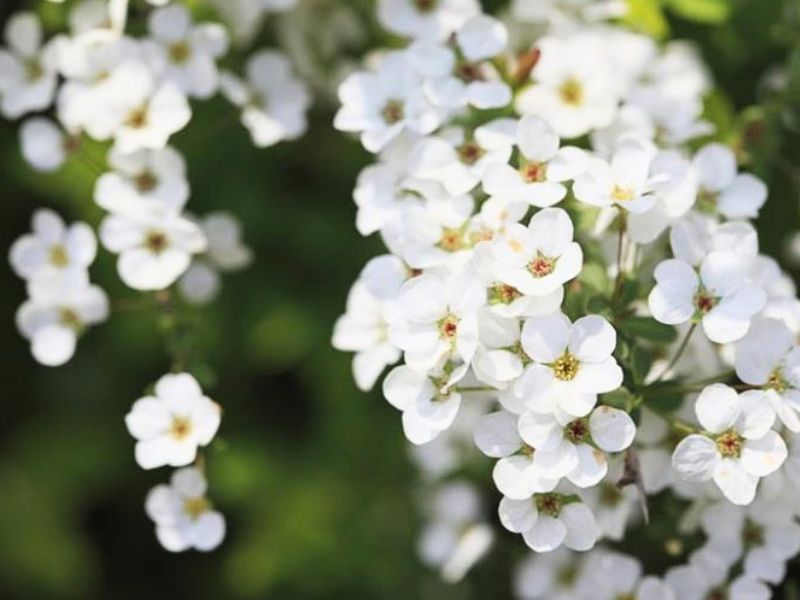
(679, 353)
(623, 228)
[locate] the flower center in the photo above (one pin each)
(452, 240)
(195, 507)
(610, 495)
(179, 52)
(548, 504)
(503, 294)
(717, 593)
(448, 327)
(393, 112)
(566, 367)
(425, 6)
(469, 153)
(469, 72)
(58, 256)
(706, 201)
(527, 450)
(777, 381)
(752, 534)
(622, 194)
(156, 242)
(180, 427)
(567, 575)
(137, 118)
(729, 444)
(541, 266)
(145, 182)
(577, 431)
(69, 318)
(704, 302)
(33, 70)
(533, 172)
(571, 92)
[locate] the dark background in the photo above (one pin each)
(312, 474)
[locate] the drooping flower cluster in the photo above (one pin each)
(101, 100)
(551, 215)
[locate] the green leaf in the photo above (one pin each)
(647, 16)
(647, 328)
(664, 396)
(641, 364)
(620, 398)
(701, 11)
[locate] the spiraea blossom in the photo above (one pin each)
(171, 424)
(185, 519)
(108, 104)
(536, 290)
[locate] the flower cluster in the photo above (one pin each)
(555, 217)
(109, 103)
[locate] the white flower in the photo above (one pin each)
(574, 447)
(225, 252)
(185, 54)
(573, 89)
(44, 144)
(154, 250)
(455, 537)
(720, 297)
(426, 19)
(184, 517)
(383, 103)
(546, 521)
(706, 575)
(674, 198)
(438, 319)
(432, 228)
(145, 181)
(626, 181)
(429, 404)
(273, 101)
(541, 170)
(517, 474)
(722, 190)
(146, 112)
(172, 423)
(458, 159)
(573, 363)
(455, 77)
(764, 537)
(738, 445)
(52, 247)
(557, 575)
(60, 307)
(767, 357)
(27, 69)
(363, 329)
(540, 258)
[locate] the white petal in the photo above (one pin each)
(738, 486)
(764, 456)
(496, 434)
(611, 429)
(582, 531)
(544, 339)
(718, 407)
(517, 515)
(53, 345)
(546, 535)
(592, 338)
(695, 458)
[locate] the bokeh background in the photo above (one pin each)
(313, 475)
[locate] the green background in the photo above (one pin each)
(311, 474)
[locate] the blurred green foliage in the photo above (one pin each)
(312, 474)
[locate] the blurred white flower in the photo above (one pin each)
(171, 424)
(185, 519)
